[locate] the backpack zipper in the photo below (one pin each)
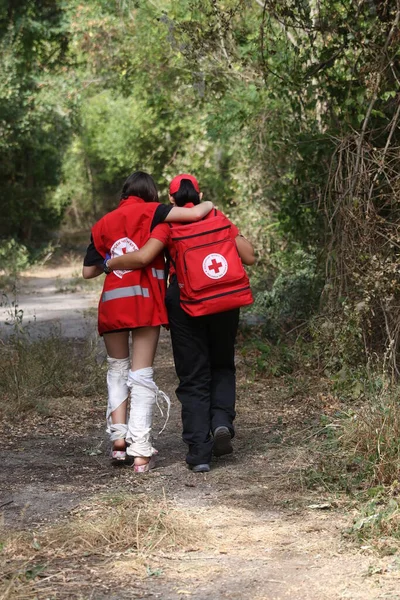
(186, 237)
(215, 296)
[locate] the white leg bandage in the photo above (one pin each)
(118, 392)
(144, 395)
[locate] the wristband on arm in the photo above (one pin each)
(107, 270)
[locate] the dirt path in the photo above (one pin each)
(259, 536)
(52, 299)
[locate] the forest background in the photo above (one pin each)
(288, 113)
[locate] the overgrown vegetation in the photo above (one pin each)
(358, 452)
(287, 111)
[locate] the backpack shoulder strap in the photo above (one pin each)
(168, 261)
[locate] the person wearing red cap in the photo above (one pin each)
(132, 305)
(176, 184)
(203, 346)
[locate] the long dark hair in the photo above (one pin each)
(142, 185)
(186, 194)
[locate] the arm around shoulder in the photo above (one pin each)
(246, 250)
(188, 215)
(138, 259)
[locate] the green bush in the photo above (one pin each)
(14, 256)
(294, 296)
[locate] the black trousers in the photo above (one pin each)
(204, 349)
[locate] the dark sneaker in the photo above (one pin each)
(222, 442)
(204, 468)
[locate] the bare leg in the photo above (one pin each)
(144, 346)
(117, 346)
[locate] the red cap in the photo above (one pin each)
(176, 183)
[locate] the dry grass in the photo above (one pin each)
(32, 372)
(371, 437)
(52, 561)
(360, 453)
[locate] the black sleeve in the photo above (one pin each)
(160, 215)
(92, 257)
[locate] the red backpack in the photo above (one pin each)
(208, 267)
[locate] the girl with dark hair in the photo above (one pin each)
(132, 305)
(203, 346)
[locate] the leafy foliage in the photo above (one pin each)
(33, 121)
(287, 112)
(294, 296)
(14, 257)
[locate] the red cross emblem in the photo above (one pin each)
(120, 247)
(215, 266)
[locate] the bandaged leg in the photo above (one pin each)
(144, 395)
(118, 392)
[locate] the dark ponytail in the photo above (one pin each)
(186, 194)
(142, 185)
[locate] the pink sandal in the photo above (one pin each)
(146, 467)
(118, 455)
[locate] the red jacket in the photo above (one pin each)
(130, 298)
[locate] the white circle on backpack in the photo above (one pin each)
(215, 266)
(121, 247)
